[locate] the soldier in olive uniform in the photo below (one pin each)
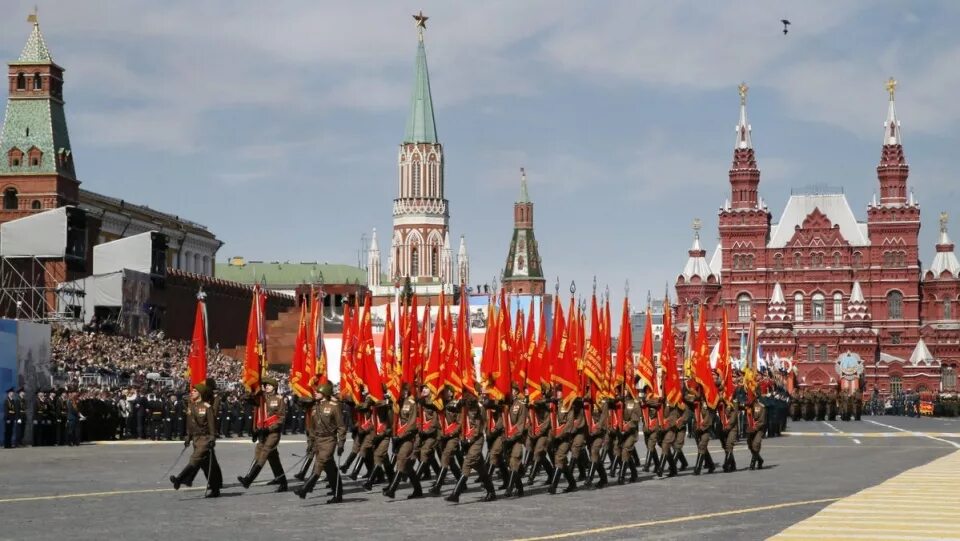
(541, 420)
(514, 439)
(652, 411)
(668, 429)
(683, 423)
(381, 416)
(365, 436)
(273, 411)
(756, 425)
(630, 428)
(329, 435)
(493, 414)
(404, 434)
(449, 439)
(473, 438)
(428, 435)
(728, 415)
(202, 431)
(570, 423)
(598, 423)
(702, 425)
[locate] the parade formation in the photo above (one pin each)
(553, 401)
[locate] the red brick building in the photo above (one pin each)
(822, 283)
(523, 274)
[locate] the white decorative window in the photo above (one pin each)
(837, 306)
(818, 307)
(743, 307)
(798, 307)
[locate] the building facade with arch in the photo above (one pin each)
(821, 283)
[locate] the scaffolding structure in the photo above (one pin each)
(37, 289)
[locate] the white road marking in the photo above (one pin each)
(835, 429)
(918, 434)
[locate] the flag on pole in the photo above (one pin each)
(701, 363)
(299, 377)
(565, 373)
(254, 361)
(593, 358)
(197, 359)
(668, 360)
(623, 371)
(367, 371)
(389, 367)
(646, 369)
(724, 368)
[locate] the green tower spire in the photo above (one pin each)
(421, 127)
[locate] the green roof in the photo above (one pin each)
(421, 127)
(291, 274)
(35, 51)
(36, 122)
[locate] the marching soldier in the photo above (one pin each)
(570, 425)
(472, 433)
(652, 422)
(728, 415)
(629, 433)
(541, 420)
(449, 440)
(756, 415)
(380, 414)
(405, 432)
(329, 435)
(702, 424)
(365, 435)
(668, 431)
(514, 437)
(494, 435)
(269, 424)
(683, 424)
(427, 435)
(598, 421)
(202, 431)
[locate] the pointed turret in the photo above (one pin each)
(463, 263)
(777, 312)
(945, 260)
(373, 262)
(37, 163)
(893, 169)
(523, 274)
(697, 258)
(744, 175)
(921, 355)
(857, 313)
(446, 260)
(421, 127)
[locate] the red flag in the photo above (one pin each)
(724, 368)
(668, 360)
(256, 346)
(468, 374)
(367, 371)
(645, 367)
(565, 373)
(701, 363)
(424, 336)
(488, 356)
(299, 378)
(623, 372)
(349, 385)
(410, 344)
(503, 377)
(389, 367)
(433, 369)
(197, 360)
(318, 349)
(593, 358)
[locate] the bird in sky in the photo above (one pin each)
(786, 23)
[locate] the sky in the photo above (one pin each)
(277, 124)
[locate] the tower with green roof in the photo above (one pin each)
(420, 248)
(523, 274)
(36, 169)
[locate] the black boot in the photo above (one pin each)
(672, 462)
(622, 475)
(390, 490)
(733, 463)
(659, 464)
(633, 471)
(682, 460)
(582, 466)
(571, 481)
(281, 483)
(726, 462)
(368, 484)
(518, 484)
(708, 461)
(603, 476)
(554, 481)
(458, 489)
(533, 473)
(491, 494)
(184, 478)
(303, 471)
(753, 461)
(590, 471)
(699, 465)
(551, 470)
(759, 461)
(307, 486)
(504, 476)
(356, 470)
(247, 479)
(337, 490)
(415, 482)
(510, 484)
(346, 463)
(438, 485)
(613, 466)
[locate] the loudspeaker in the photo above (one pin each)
(75, 253)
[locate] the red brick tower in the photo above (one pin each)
(523, 274)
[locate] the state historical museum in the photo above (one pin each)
(824, 285)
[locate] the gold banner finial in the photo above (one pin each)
(421, 22)
(891, 87)
(743, 88)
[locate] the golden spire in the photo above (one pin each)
(421, 22)
(34, 18)
(891, 86)
(743, 88)
(943, 222)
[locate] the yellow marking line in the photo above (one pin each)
(93, 494)
(675, 520)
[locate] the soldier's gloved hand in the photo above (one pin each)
(213, 444)
(186, 443)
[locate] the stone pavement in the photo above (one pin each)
(921, 503)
